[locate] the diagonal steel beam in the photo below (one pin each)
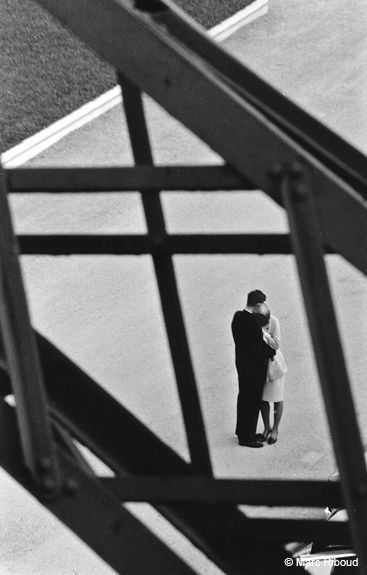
(104, 427)
(332, 150)
(90, 511)
(212, 106)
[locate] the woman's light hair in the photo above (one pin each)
(262, 310)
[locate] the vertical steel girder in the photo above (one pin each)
(170, 301)
(22, 359)
(308, 248)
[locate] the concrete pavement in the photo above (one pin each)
(315, 53)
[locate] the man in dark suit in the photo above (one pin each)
(252, 356)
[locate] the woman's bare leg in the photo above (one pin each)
(278, 412)
(265, 414)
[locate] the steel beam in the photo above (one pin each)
(104, 427)
(167, 286)
(182, 77)
(156, 244)
(211, 105)
(143, 178)
(332, 150)
(286, 530)
(288, 493)
(65, 442)
(21, 358)
(106, 424)
(89, 510)
(306, 236)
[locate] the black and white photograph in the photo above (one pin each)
(183, 303)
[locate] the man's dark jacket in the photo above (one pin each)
(252, 355)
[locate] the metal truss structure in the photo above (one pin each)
(266, 143)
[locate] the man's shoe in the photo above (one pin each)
(251, 443)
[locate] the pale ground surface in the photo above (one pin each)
(104, 311)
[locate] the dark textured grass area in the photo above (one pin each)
(211, 12)
(46, 73)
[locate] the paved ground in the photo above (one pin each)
(315, 53)
(100, 310)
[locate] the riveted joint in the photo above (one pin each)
(296, 176)
(276, 172)
(70, 486)
(46, 477)
(295, 170)
(48, 485)
(44, 465)
(300, 191)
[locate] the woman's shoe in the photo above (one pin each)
(273, 437)
(266, 434)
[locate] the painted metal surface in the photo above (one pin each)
(21, 358)
(307, 242)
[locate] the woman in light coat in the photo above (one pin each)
(273, 389)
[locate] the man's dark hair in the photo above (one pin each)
(254, 297)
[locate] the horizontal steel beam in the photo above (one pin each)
(211, 104)
(251, 492)
(142, 178)
(160, 244)
(331, 532)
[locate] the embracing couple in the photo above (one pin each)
(261, 370)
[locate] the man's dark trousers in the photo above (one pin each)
(252, 355)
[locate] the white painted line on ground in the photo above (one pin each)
(36, 144)
(31, 147)
(241, 18)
